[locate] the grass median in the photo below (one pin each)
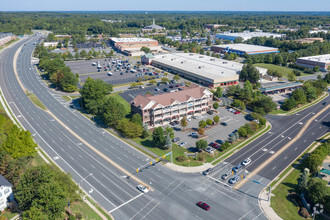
(36, 101)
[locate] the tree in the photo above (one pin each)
(170, 132)
(317, 193)
(302, 181)
(145, 49)
(215, 105)
(313, 161)
(201, 131)
(168, 142)
(254, 125)
(202, 124)
(311, 93)
(184, 122)
(59, 45)
(216, 119)
(225, 145)
(299, 96)
(164, 80)
(249, 72)
(83, 54)
(316, 69)
(209, 121)
(218, 92)
(176, 77)
(137, 119)
(201, 144)
(111, 111)
(289, 104)
(242, 132)
(76, 56)
(158, 137)
(153, 81)
(291, 77)
(278, 59)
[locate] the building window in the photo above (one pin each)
(7, 191)
(146, 116)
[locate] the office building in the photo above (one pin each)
(246, 35)
(322, 61)
(242, 49)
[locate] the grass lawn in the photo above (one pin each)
(8, 215)
(280, 203)
(85, 210)
(67, 98)
(36, 101)
(282, 69)
(127, 106)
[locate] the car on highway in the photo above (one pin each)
(203, 205)
(215, 145)
(246, 162)
(234, 180)
(224, 176)
(235, 169)
(176, 139)
(183, 143)
(224, 123)
(208, 171)
(143, 188)
(324, 103)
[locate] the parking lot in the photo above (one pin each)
(130, 94)
(219, 132)
(85, 66)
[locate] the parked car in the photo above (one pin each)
(177, 122)
(234, 180)
(109, 74)
(143, 188)
(208, 171)
(223, 123)
(324, 103)
(237, 112)
(215, 145)
(183, 143)
(157, 89)
(209, 150)
(246, 162)
(203, 205)
(194, 134)
(166, 90)
(176, 139)
(219, 141)
(210, 112)
(224, 176)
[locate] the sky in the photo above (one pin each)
(165, 5)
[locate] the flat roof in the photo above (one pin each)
(131, 40)
(247, 48)
(208, 67)
(320, 58)
(248, 35)
(280, 85)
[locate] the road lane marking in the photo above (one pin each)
(125, 203)
(150, 210)
(141, 209)
(245, 215)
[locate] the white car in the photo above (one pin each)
(183, 143)
(209, 150)
(246, 162)
(143, 188)
(109, 73)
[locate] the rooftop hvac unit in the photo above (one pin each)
(200, 56)
(181, 61)
(199, 67)
(191, 54)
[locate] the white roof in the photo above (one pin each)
(247, 48)
(320, 58)
(248, 35)
(133, 39)
(214, 69)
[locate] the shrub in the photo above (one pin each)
(200, 158)
(304, 212)
(216, 119)
(181, 158)
(209, 121)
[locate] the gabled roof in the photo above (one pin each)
(4, 182)
(167, 99)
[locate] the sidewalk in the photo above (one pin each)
(265, 206)
(189, 169)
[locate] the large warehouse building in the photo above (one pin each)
(246, 35)
(132, 46)
(205, 70)
(242, 49)
(323, 61)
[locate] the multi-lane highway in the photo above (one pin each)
(174, 194)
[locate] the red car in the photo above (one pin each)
(203, 205)
(237, 112)
(215, 145)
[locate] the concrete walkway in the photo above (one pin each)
(189, 169)
(265, 206)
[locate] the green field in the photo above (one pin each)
(127, 106)
(282, 69)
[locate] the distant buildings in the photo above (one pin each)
(159, 110)
(280, 87)
(205, 70)
(309, 40)
(50, 44)
(215, 26)
(6, 37)
(322, 61)
(242, 49)
(132, 46)
(246, 35)
(153, 27)
(6, 193)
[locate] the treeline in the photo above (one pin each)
(90, 23)
(109, 110)
(310, 91)
(41, 191)
(285, 57)
(56, 70)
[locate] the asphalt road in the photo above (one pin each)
(175, 194)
